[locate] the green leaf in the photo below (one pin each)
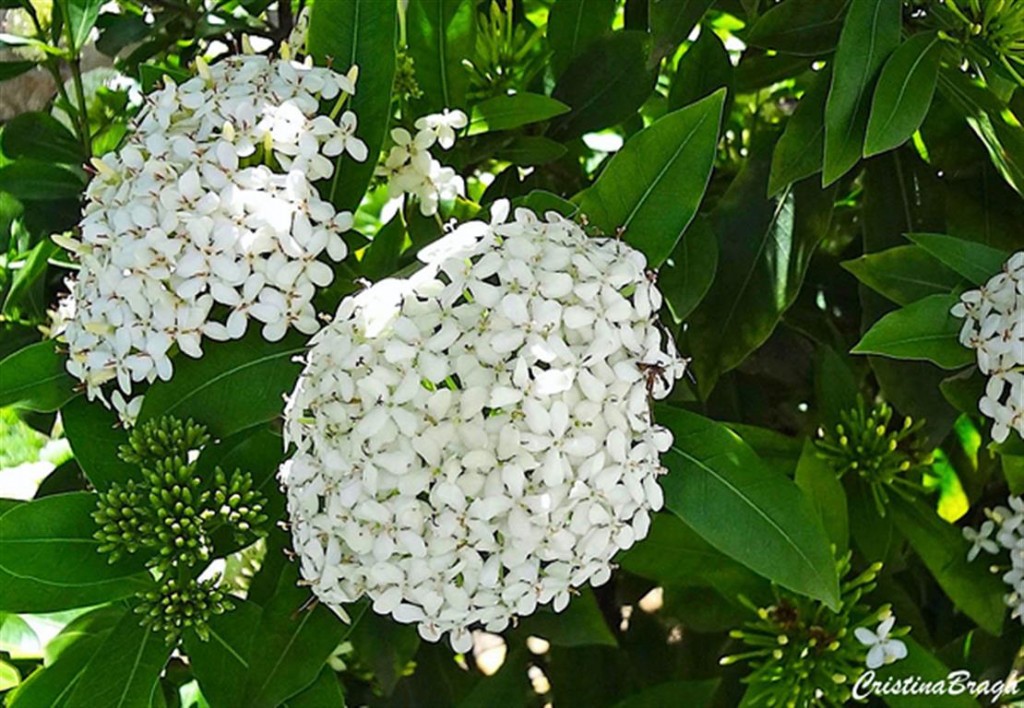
(210, 389)
(764, 248)
(903, 274)
(22, 297)
(870, 33)
(672, 21)
(34, 378)
(125, 671)
(49, 560)
(386, 647)
(221, 663)
(972, 588)
(720, 488)
(95, 435)
(541, 202)
(923, 330)
(11, 69)
(440, 34)
(324, 693)
(652, 187)
(508, 112)
(802, 27)
(605, 85)
(579, 624)
(40, 136)
(964, 390)
(529, 150)
(835, 386)
(573, 25)
(358, 33)
(798, 154)
(686, 276)
(692, 694)
(974, 261)
(904, 93)
(17, 638)
(80, 18)
(508, 687)
(50, 687)
(290, 644)
(381, 257)
(10, 677)
(703, 69)
(821, 486)
(926, 668)
(36, 180)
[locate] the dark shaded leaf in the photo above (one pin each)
(803, 27)
(440, 34)
(821, 486)
(95, 435)
(40, 136)
(221, 663)
(702, 70)
(976, 262)
(579, 624)
(799, 152)
(34, 378)
(528, 150)
(685, 278)
(672, 21)
(36, 180)
(573, 25)
(923, 330)
(903, 274)
(692, 694)
(324, 693)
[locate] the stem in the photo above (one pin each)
(76, 74)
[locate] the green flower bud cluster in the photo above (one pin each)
(802, 653)
(405, 77)
(868, 444)
(175, 606)
(170, 513)
(999, 23)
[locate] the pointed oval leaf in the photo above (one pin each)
(34, 378)
(653, 186)
(975, 261)
(508, 112)
(722, 489)
(802, 27)
(573, 25)
(702, 70)
(923, 330)
(904, 274)
(96, 435)
(904, 93)
(870, 33)
(798, 153)
(440, 34)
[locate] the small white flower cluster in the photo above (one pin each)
(1009, 536)
(476, 440)
(994, 327)
(411, 169)
(207, 217)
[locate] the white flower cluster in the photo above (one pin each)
(1010, 536)
(994, 327)
(476, 440)
(207, 217)
(411, 169)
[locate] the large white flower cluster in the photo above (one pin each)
(410, 167)
(208, 217)
(476, 440)
(994, 327)
(1008, 525)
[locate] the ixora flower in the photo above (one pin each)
(206, 218)
(1008, 524)
(804, 654)
(476, 440)
(994, 327)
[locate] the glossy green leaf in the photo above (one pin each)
(685, 278)
(358, 33)
(871, 31)
(573, 25)
(819, 483)
(17, 638)
(325, 692)
(125, 670)
(381, 257)
(221, 663)
(530, 150)
(40, 136)
(764, 248)
(604, 85)
(972, 588)
(36, 180)
(904, 93)
(798, 153)
(34, 378)
(964, 390)
(386, 647)
(652, 187)
(290, 645)
(95, 435)
(50, 687)
(579, 624)
(234, 386)
(923, 330)
(974, 261)
(927, 669)
(802, 27)
(903, 274)
(720, 488)
(49, 560)
(703, 69)
(10, 677)
(440, 34)
(508, 112)
(24, 295)
(835, 385)
(80, 18)
(11, 69)
(672, 21)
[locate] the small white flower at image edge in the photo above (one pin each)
(883, 649)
